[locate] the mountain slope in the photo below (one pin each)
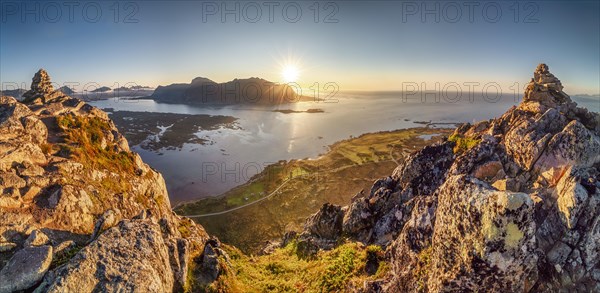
(253, 90)
(79, 208)
(506, 205)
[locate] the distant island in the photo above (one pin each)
(238, 91)
(132, 88)
(66, 90)
(289, 111)
(101, 90)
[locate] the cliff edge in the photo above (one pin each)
(80, 212)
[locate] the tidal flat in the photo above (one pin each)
(155, 131)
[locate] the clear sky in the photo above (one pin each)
(375, 45)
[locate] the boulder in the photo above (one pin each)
(37, 238)
(25, 269)
(326, 223)
(131, 256)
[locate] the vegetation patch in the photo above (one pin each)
(85, 142)
(64, 257)
(463, 143)
(284, 271)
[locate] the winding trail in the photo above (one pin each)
(274, 192)
(242, 206)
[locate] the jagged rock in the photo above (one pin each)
(210, 264)
(487, 170)
(37, 238)
(45, 185)
(105, 221)
(60, 249)
(11, 180)
(28, 169)
(574, 145)
(131, 256)
(25, 269)
(487, 241)
(9, 202)
(357, 220)
(327, 223)
(72, 208)
(423, 171)
(179, 251)
(21, 133)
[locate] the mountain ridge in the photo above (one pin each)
(251, 90)
(507, 204)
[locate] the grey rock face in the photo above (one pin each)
(37, 238)
(130, 257)
(25, 269)
(327, 223)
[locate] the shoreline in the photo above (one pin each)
(285, 193)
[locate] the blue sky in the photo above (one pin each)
(373, 45)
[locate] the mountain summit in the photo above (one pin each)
(505, 205)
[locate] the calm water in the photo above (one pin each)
(266, 137)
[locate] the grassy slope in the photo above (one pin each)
(284, 271)
(355, 162)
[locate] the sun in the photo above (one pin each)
(290, 73)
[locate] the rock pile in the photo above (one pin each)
(41, 90)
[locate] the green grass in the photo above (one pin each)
(64, 257)
(253, 192)
(463, 143)
(285, 271)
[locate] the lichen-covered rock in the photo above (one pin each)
(25, 269)
(485, 239)
(327, 223)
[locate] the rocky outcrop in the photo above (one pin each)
(80, 212)
(506, 205)
(134, 252)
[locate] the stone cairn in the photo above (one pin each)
(41, 90)
(545, 88)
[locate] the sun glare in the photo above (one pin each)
(290, 73)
